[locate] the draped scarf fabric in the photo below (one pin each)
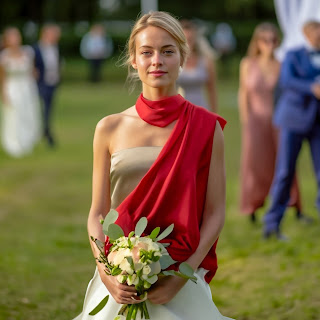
(174, 188)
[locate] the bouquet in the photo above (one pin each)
(137, 261)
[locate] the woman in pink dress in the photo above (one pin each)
(259, 72)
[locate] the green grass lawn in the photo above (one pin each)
(46, 262)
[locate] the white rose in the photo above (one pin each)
(121, 254)
(125, 266)
(146, 270)
(138, 266)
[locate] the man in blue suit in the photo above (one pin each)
(298, 118)
(47, 64)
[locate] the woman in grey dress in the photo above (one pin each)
(197, 80)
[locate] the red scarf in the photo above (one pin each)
(174, 188)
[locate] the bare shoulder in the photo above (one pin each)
(110, 123)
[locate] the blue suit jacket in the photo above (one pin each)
(297, 107)
(39, 64)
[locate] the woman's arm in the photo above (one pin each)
(101, 203)
(242, 94)
(212, 223)
(211, 85)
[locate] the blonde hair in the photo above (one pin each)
(253, 49)
(159, 19)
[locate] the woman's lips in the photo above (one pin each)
(157, 73)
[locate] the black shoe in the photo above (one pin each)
(253, 218)
(279, 236)
(303, 218)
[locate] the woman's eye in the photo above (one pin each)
(168, 52)
(146, 53)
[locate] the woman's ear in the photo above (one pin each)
(133, 64)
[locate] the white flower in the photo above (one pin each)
(138, 266)
(125, 266)
(146, 270)
(121, 278)
(121, 254)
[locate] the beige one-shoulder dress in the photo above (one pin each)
(193, 301)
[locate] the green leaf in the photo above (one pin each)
(99, 244)
(131, 234)
(141, 226)
(130, 260)
(153, 279)
(110, 218)
(166, 261)
(166, 232)
(186, 270)
(168, 273)
(100, 306)
(154, 233)
(114, 232)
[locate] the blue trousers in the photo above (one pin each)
(290, 143)
(47, 94)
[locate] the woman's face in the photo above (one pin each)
(267, 42)
(157, 59)
(12, 38)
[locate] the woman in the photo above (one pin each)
(259, 72)
(19, 96)
(197, 78)
(155, 160)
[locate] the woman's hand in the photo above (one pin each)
(165, 289)
(121, 293)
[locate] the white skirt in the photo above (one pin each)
(192, 302)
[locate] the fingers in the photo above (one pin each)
(127, 288)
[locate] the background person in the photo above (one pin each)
(48, 66)
(298, 118)
(259, 73)
(96, 46)
(197, 78)
(20, 109)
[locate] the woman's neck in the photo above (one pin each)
(155, 94)
(15, 51)
(265, 57)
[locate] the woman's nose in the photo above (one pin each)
(157, 59)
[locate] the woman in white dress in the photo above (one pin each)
(132, 149)
(20, 110)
